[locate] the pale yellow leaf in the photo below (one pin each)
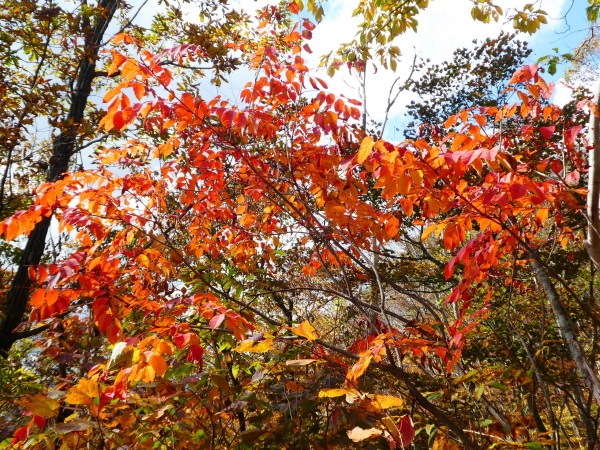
(300, 362)
(358, 434)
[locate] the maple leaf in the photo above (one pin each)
(84, 393)
(40, 405)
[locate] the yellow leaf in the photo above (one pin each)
(305, 330)
(255, 347)
(391, 427)
(333, 392)
(386, 401)
(40, 405)
(148, 374)
(84, 392)
(366, 146)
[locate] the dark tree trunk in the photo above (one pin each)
(63, 148)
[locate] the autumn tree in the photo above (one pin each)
(216, 257)
(52, 66)
(52, 62)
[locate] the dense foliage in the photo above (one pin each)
(260, 272)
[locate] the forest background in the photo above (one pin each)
(210, 242)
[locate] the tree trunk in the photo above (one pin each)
(593, 200)
(567, 331)
(63, 148)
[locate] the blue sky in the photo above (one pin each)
(445, 26)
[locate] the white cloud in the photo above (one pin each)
(562, 93)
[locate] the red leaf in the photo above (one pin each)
(572, 133)
(407, 430)
(548, 131)
(39, 421)
(20, 435)
(308, 24)
(227, 118)
(216, 321)
(518, 191)
(195, 355)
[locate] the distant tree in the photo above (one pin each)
(473, 76)
(585, 61)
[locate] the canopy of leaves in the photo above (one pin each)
(242, 273)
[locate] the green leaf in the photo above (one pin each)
(534, 445)
(499, 386)
(466, 377)
(478, 392)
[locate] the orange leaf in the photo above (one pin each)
(305, 329)
(164, 347)
(159, 364)
(392, 227)
(112, 93)
(294, 7)
(359, 368)
(118, 60)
